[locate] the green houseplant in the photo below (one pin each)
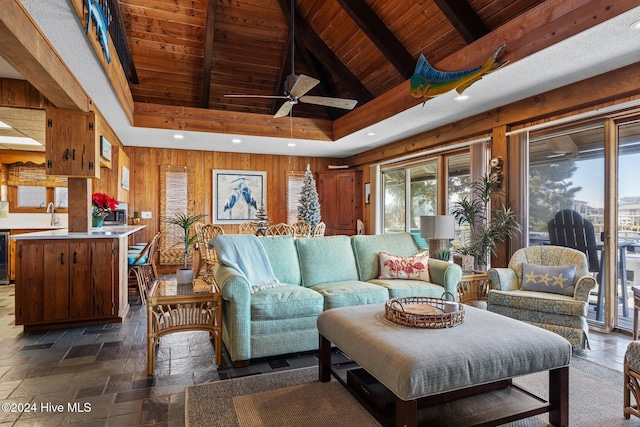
(188, 237)
(487, 227)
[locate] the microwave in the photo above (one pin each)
(116, 217)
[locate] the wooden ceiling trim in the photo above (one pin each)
(209, 30)
(325, 55)
(607, 87)
(24, 47)
(536, 29)
(463, 18)
(197, 119)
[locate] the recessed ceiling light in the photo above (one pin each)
(635, 25)
(371, 134)
(178, 136)
(236, 140)
(18, 140)
(461, 97)
(291, 144)
(4, 125)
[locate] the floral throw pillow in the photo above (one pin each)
(553, 279)
(414, 267)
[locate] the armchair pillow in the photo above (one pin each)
(414, 267)
(552, 279)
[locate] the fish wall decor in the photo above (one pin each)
(427, 82)
(96, 15)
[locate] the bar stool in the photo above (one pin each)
(631, 377)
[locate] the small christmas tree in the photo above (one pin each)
(309, 209)
(262, 220)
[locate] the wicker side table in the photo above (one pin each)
(176, 308)
(474, 289)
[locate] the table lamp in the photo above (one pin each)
(438, 229)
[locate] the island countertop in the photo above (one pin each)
(109, 232)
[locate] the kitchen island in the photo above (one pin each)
(71, 278)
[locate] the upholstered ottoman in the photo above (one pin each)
(439, 365)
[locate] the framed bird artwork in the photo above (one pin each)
(237, 195)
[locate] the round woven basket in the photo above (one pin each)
(423, 312)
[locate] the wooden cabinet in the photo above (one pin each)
(59, 281)
(340, 200)
(71, 148)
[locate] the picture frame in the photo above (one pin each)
(125, 178)
(367, 193)
(105, 148)
(237, 195)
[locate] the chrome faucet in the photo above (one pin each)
(55, 220)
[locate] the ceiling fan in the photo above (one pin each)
(296, 86)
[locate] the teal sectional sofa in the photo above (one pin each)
(320, 273)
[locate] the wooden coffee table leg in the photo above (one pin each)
(406, 413)
(559, 396)
(324, 355)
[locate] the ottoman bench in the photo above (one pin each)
(439, 366)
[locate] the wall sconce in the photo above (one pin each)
(438, 229)
(496, 175)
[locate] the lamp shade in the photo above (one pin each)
(437, 227)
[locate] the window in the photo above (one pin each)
(31, 197)
(30, 189)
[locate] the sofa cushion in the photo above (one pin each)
(285, 302)
(408, 288)
(415, 267)
(350, 292)
(538, 301)
(545, 278)
(326, 259)
(283, 257)
(366, 249)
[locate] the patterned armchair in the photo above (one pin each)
(562, 314)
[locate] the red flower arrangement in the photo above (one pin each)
(103, 204)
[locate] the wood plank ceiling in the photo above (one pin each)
(192, 52)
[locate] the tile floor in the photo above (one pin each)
(98, 373)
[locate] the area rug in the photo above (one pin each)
(297, 398)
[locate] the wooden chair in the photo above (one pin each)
(318, 230)
(359, 227)
(280, 229)
(247, 228)
(207, 254)
(142, 268)
(631, 379)
(569, 229)
(303, 229)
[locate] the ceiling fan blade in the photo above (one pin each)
(284, 110)
(257, 96)
(303, 85)
(347, 104)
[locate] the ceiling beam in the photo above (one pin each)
(325, 55)
(318, 71)
(160, 116)
(463, 18)
(538, 28)
(24, 47)
(285, 66)
(208, 53)
(380, 35)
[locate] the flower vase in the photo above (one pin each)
(96, 220)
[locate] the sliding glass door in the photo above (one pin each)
(566, 172)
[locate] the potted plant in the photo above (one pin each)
(487, 227)
(135, 219)
(101, 205)
(188, 236)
